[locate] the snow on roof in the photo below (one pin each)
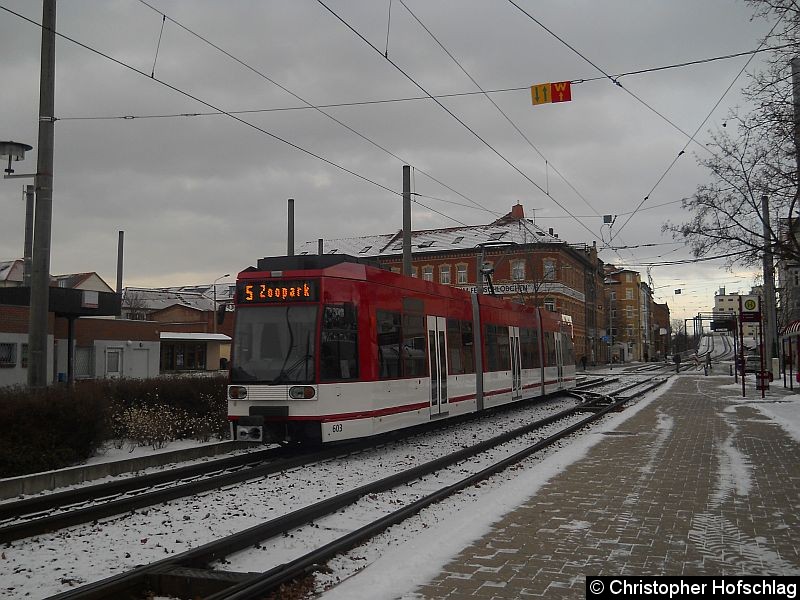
(518, 231)
(11, 270)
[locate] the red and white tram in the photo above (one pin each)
(330, 348)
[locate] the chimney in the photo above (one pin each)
(517, 211)
(550, 231)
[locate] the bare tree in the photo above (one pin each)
(134, 305)
(754, 157)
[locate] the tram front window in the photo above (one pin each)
(274, 344)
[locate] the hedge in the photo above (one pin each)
(60, 426)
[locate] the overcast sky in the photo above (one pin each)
(202, 196)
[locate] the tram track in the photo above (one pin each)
(54, 511)
(190, 567)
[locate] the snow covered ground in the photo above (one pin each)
(392, 565)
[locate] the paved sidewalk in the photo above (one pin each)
(699, 482)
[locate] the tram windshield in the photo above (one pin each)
(274, 344)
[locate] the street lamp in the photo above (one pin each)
(483, 271)
(214, 286)
(12, 151)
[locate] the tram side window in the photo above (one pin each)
(339, 342)
(413, 348)
(529, 348)
(498, 356)
(388, 344)
(460, 347)
(550, 349)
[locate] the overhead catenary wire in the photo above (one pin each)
(699, 127)
(523, 88)
(306, 102)
(511, 122)
(218, 109)
(453, 115)
(613, 79)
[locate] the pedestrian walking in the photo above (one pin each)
(709, 366)
(677, 359)
(583, 362)
(696, 360)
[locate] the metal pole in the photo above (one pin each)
(407, 220)
(28, 256)
(40, 277)
(290, 233)
(120, 251)
(479, 271)
(769, 285)
(610, 331)
(71, 350)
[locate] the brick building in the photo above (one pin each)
(525, 264)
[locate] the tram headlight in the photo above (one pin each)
(302, 392)
(237, 392)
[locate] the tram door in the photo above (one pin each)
(516, 363)
(437, 363)
(559, 358)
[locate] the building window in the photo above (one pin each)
(444, 274)
(550, 304)
(613, 295)
(629, 312)
(629, 294)
(629, 331)
(461, 274)
(629, 277)
(549, 269)
(23, 359)
(518, 270)
(414, 272)
(8, 356)
(182, 356)
(796, 277)
(427, 273)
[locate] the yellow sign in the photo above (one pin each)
(540, 94)
(543, 93)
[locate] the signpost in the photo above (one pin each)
(750, 312)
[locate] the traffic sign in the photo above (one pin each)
(544, 93)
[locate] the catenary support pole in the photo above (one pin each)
(290, 227)
(770, 319)
(28, 255)
(406, 220)
(40, 275)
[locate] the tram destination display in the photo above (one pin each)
(259, 291)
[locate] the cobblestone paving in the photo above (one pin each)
(697, 483)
